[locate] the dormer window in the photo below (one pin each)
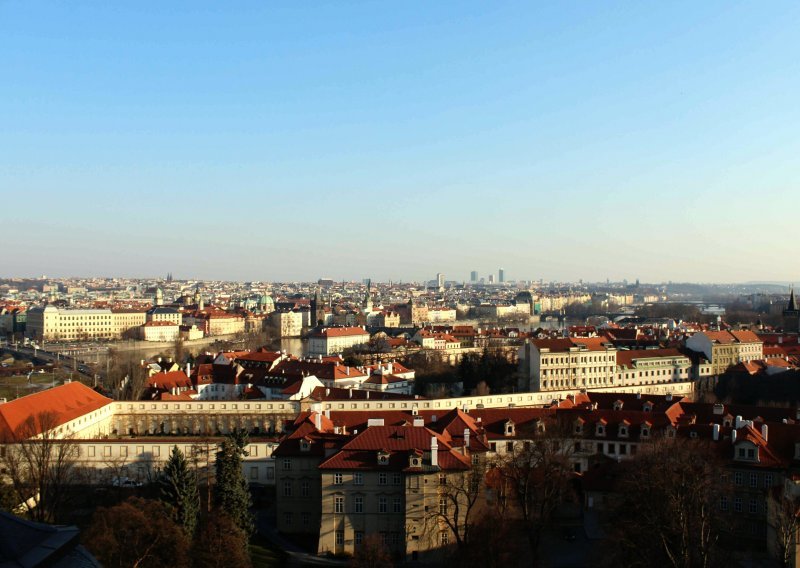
(600, 429)
(623, 431)
(671, 433)
(648, 407)
(304, 445)
(383, 458)
(645, 431)
(414, 461)
(579, 426)
(747, 452)
(618, 405)
(510, 429)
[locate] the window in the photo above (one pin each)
(253, 473)
(306, 519)
(287, 488)
(396, 479)
(723, 503)
(91, 451)
(753, 480)
(753, 506)
(443, 505)
(737, 504)
(509, 446)
(358, 478)
(338, 504)
(287, 464)
(444, 538)
(287, 519)
(600, 447)
(645, 432)
(358, 537)
(767, 480)
(337, 478)
(442, 479)
(383, 505)
(339, 538)
(358, 504)
(738, 478)
(156, 451)
(397, 505)
(382, 478)
(123, 452)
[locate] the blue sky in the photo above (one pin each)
(266, 141)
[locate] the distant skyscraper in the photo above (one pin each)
(491, 279)
(473, 276)
(501, 275)
(440, 280)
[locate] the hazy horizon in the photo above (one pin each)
(289, 142)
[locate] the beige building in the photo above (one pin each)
(331, 340)
(288, 323)
(652, 366)
(160, 331)
(570, 363)
(386, 480)
(724, 349)
(51, 323)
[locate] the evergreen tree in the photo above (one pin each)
(231, 490)
(179, 489)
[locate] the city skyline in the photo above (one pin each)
(561, 142)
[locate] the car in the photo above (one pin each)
(125, 482)
(569, 535)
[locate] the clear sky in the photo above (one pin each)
(266, 141)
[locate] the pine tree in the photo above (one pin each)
(231, 490)
(179, 489)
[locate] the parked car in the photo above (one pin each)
(125, 482)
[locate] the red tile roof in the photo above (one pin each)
(66, 402)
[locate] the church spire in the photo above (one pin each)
(792, 302)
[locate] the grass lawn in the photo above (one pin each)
(263, 555)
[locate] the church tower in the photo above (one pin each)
(368, 297)
(791, 315)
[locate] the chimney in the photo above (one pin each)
(188, 369)
(318, 421)
(739, 421)
(466, 438)
(367, 394)
(719, 409)
(328, 414)
(327, 392)
(669, 397)
(764, 432)
(715, 432)
(434, 452)
(350, 391)
(733, 436)
(419, 421)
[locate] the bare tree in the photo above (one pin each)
(458, 494)
(534, 478)
(784, 520)
(41, 464)
(666, 512)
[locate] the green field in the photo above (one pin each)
(17, 385)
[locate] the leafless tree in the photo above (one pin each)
(40, 462)
(786, 524)
(534, 478)
(667, 507)
(458, 494)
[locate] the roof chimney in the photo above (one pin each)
(318, 421)
(434, 452)
(739, 421)
(419, 421)
(733, 436)
(715, 432)
(764, 432)
(466, 438)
